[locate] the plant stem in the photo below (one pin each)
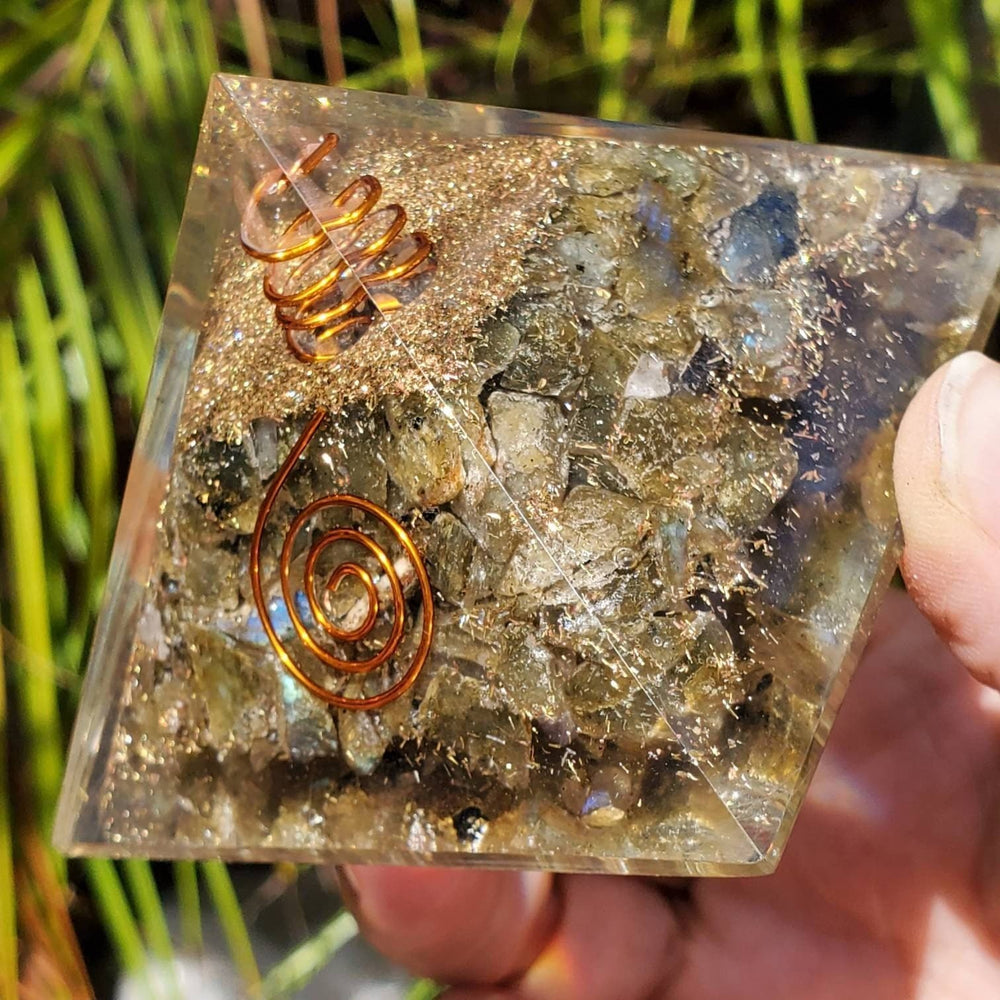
(328, 17)
(254, 28)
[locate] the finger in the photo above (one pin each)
(617, 939)
(605, 938)
(456, 926)
(947, 477)
(483, 993)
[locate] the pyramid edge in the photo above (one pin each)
(581, 126)
(92, 721)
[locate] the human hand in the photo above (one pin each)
(890, 886)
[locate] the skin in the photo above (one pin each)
(890, 885)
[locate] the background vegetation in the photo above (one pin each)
(99, 107)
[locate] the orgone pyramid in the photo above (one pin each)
(512, 489)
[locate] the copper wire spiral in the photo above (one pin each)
(342, 572)
(327, 272)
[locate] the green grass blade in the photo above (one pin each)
(991, 11)
(198, 17)
(185, 78)
(116, 915)
(590, 27)
(234, 928)
(394, 71)
(615, 49)
(509, 44)
(859, 57)
(424, 989)
(24, 51)
(296, 969)
(96, 434)
(159, 190)
(24, 150)
(679, 24)
(791, 61)
(109, 223)
(22, 531)
(411, 49)
(124, 277)
(381, 24)
(937, 25)
(20, 140)
(188, 904)
(747, 21)
(149, 907)
(85, 43)
(53, 434)
(145, 57)
(363, 52)
(8, 902)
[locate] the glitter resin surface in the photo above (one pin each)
(512, 489)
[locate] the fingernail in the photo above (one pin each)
(969, 429)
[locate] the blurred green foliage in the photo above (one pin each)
(99, 106)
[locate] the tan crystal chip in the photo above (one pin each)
(635, 418)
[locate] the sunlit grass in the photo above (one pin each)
(794, 79)
(944, 51)
(234, 928)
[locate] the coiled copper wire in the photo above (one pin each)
(345, 570)
(327, 273)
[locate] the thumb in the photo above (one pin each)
(947, 478)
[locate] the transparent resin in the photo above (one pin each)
(584, 451)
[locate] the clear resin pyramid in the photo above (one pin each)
(512, 489)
